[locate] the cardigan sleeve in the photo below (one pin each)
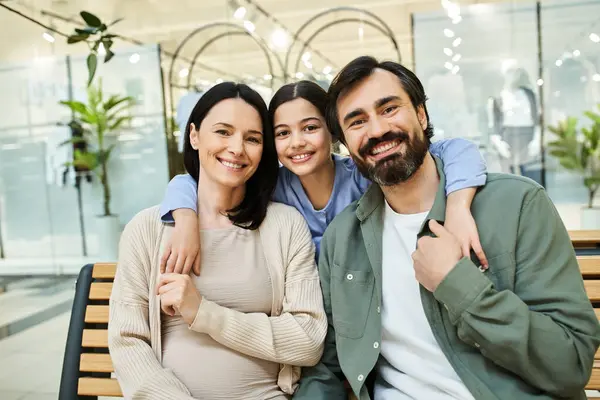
(139, 372)
(295, 336)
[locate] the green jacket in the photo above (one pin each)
(523, 329)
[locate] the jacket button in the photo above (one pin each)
(378, 310)
(349, 277)
(376, 345)
(360, 378)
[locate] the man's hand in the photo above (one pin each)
(435, 257)
(182, 253)
(178, 295)
(460, 222)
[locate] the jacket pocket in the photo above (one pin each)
(351, 297)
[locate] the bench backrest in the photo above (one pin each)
(87, 367)
(590, 269)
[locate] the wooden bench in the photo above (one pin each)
(586, 242)
(590, 270)
(87, 366)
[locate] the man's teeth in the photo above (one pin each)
(385, 147)
(231, 165)
(300, 156)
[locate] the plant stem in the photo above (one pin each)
(592, 195)
(106, 187)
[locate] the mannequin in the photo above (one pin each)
(513, 120)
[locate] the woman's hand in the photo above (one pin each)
(182, 253)
(178, 295)
(460, 222)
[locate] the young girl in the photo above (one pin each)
(320, 185)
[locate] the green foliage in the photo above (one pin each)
(579, 150)
(94, 33)
(98, 118)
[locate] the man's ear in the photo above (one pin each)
(194, 136)
(422, 117)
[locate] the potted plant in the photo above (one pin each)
(100, 119)
(579, 151)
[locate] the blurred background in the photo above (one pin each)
(144, 63)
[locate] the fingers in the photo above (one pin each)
(480, 253)
(165, 258)
(168, 278)
(466, 250)
(197, 265)
(171, 262)
(178, 269)
(189, 264)
(162, 289)
(437, 229)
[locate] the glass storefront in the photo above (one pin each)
(44, 226)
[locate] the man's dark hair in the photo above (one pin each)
(251, 212)
(361, 68)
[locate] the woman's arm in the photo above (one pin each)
(294, 337)
(140, 374)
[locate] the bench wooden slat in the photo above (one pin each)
(95, 338)
(585, 237)
(592, 289)
(99, 387)
(100, 290)
(96, 315)
(104, 270)
(594, 383)
(95, 362)
(589, 266)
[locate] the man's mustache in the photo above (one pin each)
(389, 136)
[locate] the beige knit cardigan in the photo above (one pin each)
(292, 336)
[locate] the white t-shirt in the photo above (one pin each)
(411, 365)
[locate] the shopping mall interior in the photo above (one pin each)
(61, 210)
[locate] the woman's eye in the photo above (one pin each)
(254, 140)
(222, 132)
(311, 128)
(281, 133)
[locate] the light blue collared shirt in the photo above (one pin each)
(463, 165)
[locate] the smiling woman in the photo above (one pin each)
(244, 326)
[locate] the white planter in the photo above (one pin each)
(109, 232)
(590, 218)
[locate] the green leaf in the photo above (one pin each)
(76, 106)
(103, 28)
(591, 181)
(90, 19)
(119, 121)
(107, 43)
(115, 21)
(76, 38)
(86, 31)
(593, 116)
(92, 63)
(109, 36)
(115, 100)
(109, 56)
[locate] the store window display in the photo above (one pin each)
(513, 119)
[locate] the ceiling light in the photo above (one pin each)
(306, 56)
(449, 33)
(576, 53)
(308, 64)
(101, 49)
(455, 69)
(457, 42)
(327, 70)
(594, 37)
(540, 82)
(456, 57)
(184, 72)
(134, 58)
(448, 65)
(48, 36)
(559, 63)
(299, 75)
(456, 20)
(267, 77)
(249, 26)
(361, 32)
(448, 51)
(239, 13)
(279, 38)
(596, 77)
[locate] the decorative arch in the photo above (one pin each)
(381, 26)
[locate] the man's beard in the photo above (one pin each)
(395, 168)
